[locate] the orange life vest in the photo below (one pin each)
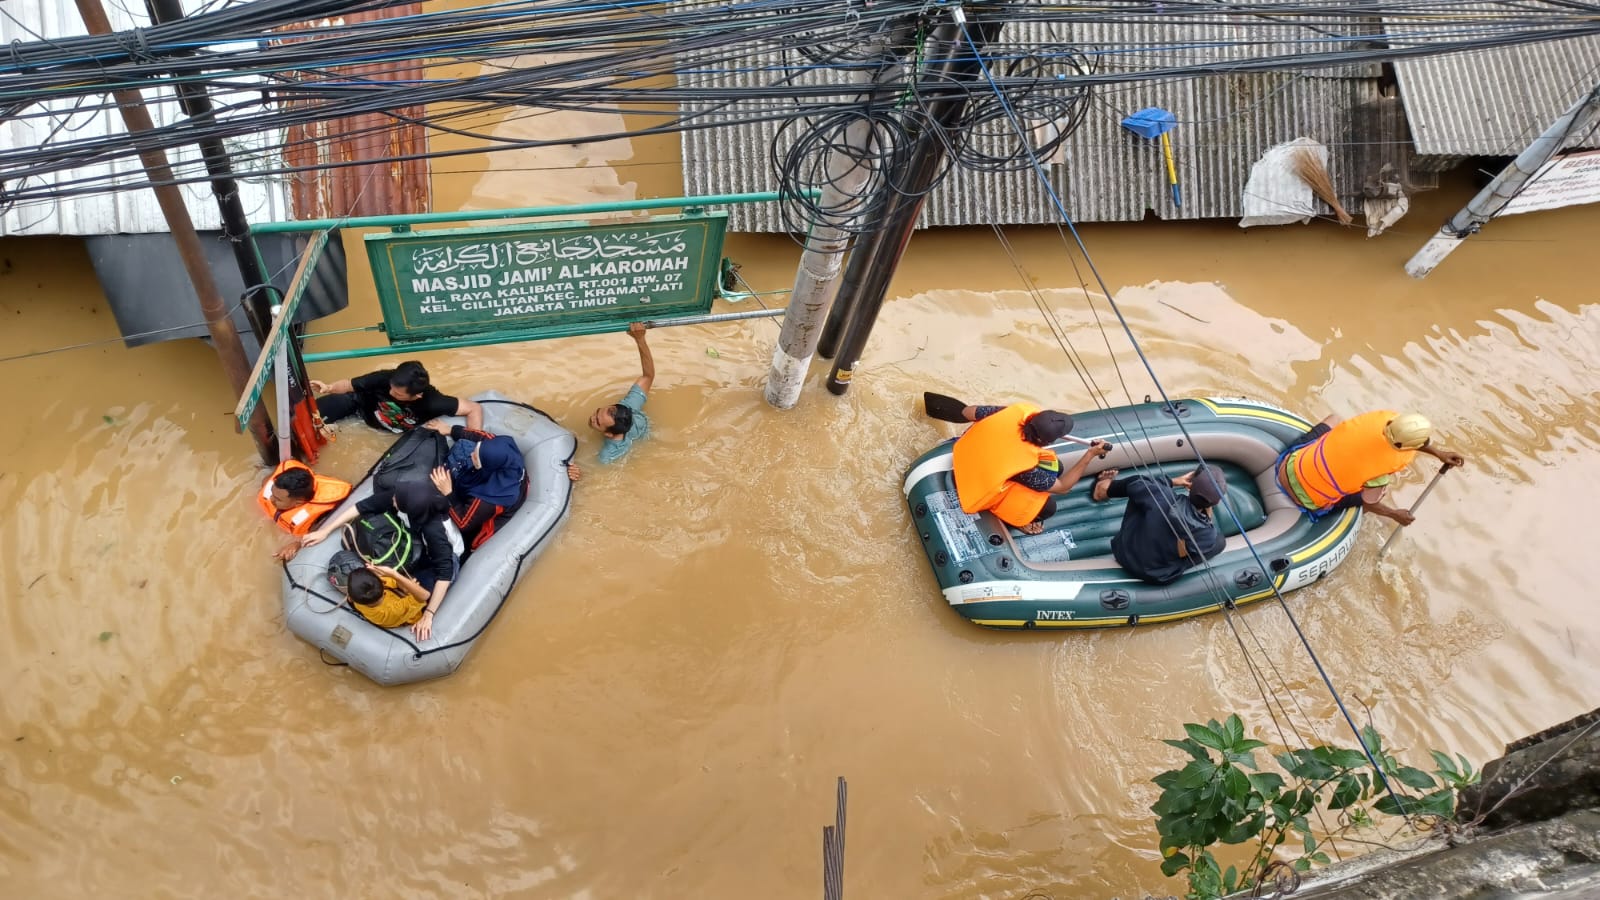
(988, 455)
(327, 493)
(1342, 461)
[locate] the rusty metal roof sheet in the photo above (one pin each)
(387, 184)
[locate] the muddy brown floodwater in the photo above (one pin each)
(739, 612)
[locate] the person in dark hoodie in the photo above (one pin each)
(1164, 534)
(425, 511)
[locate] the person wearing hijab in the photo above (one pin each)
(486, 482)
(425, 511)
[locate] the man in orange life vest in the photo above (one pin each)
(1342, 464)
(1002, 463)
(297, 498)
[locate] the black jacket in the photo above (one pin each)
(1157, 516)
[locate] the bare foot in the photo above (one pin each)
(1102, 486)
(1033, 528)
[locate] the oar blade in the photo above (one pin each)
(945, 409)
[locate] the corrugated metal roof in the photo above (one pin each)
(1494, 102)
(1104, 173)
(123, 212)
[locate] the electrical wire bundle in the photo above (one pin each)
(271, 65)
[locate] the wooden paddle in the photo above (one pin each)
(949, 409)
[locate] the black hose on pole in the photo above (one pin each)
(956, 64)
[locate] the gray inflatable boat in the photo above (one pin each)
(319, 615)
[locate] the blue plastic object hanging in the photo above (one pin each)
(1150, 122)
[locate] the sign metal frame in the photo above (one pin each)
(547, 279)
(279, 333)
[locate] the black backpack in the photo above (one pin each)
(383, 539)
(411, 458)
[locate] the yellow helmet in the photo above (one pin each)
(1408, 431)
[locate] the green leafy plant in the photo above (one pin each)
(1222, 797)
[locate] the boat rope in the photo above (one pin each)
(961, 22)
(1271, 697)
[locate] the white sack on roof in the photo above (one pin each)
(1274, 194)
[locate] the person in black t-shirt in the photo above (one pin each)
(397, 399)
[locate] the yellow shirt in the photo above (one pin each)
(395, 608)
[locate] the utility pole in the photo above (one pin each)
(1497, 193)
(816, 281)
(224, 338)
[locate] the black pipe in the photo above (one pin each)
(196, 103)
(958, 63)
(856, 266)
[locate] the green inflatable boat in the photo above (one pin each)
(1066, 578)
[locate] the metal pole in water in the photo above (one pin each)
(224, 337)
(280, 366)
(1420, 497)
(833, 847)
(1497, 193)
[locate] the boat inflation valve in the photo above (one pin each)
(965, 576)
(996, 540)
(1005, 563)
(922, 510)
(1115, 599)
(1280, 564)
(941, 558)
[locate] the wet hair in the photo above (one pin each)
(410, 377)
(364, 587)
(296, 483)
(621, 419)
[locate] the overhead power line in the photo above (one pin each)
(273, 65)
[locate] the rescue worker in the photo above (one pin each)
(1003, 463)
(1339, 465)
(297, 499)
